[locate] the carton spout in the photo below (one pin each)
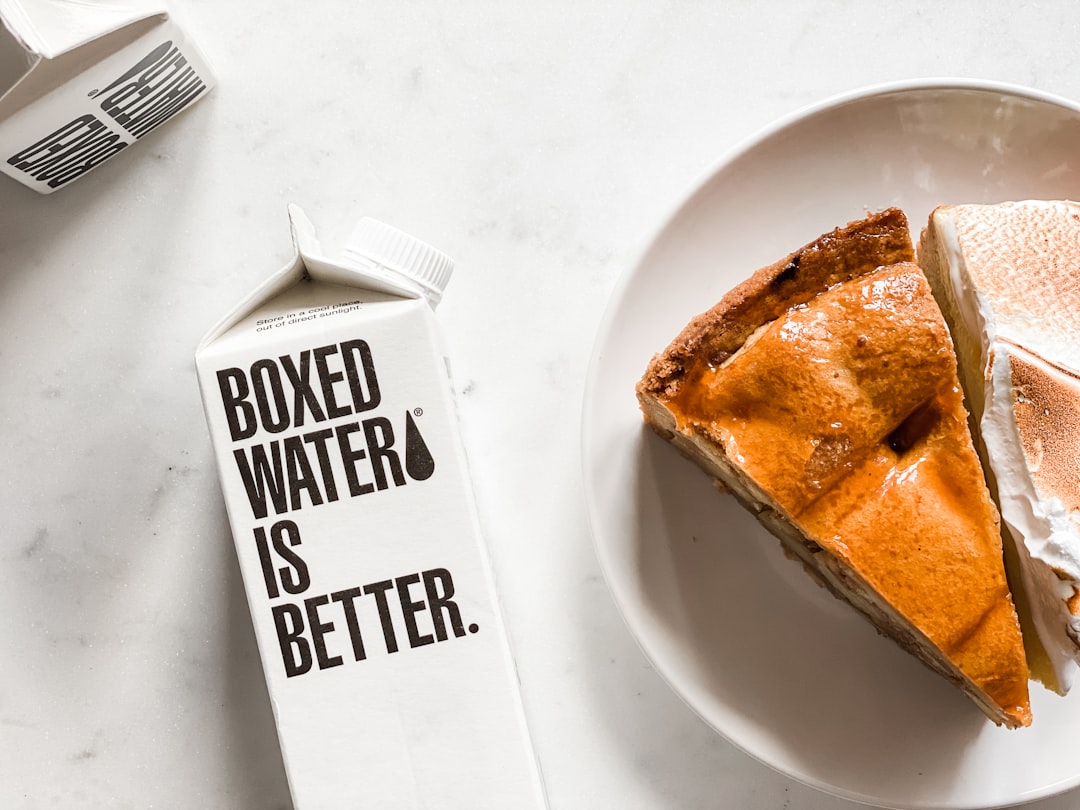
(378, 248)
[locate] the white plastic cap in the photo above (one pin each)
(376, 242)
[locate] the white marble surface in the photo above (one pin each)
(538, 144)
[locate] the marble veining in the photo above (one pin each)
(540, 145)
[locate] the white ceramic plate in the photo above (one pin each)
(772, 662)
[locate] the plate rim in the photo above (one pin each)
(603, 332)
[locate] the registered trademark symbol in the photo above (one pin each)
(418, 411)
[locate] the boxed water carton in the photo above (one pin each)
(81, 81)
(333, 422)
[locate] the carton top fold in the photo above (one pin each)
(53, 27)
(310, 262)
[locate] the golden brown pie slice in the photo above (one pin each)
(822, 392)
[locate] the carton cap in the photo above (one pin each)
(375, 242)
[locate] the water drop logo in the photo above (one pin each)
(419, 463)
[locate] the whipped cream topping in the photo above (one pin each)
(1045, 531)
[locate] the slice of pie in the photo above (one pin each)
(822, 393)
(1007, 278)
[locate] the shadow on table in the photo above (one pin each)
(248, 718)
